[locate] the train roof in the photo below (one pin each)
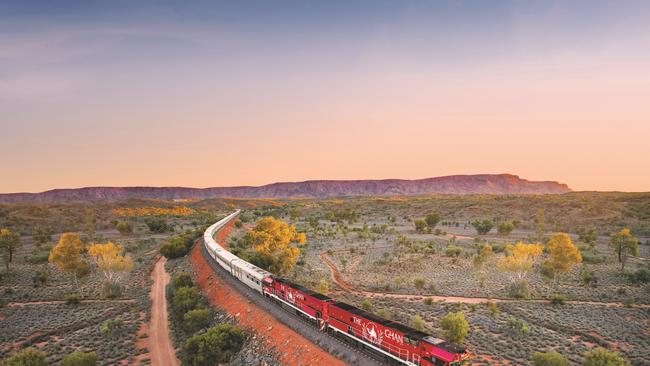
(410, 332)
(305, 290)
(441, 343)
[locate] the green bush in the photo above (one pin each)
(157, 225)
(603, 357)
(455, 326)
(125, 228)
(518, 325)
(182, 279)
(591, 257)
(640, 276)
(428, 301)
(80, 359)
(185, 299)
(197, 319)
(38, 256)
(493, 308)
(452, 251)
(483, 227)
(366, 305)
(112, 325)
(27, 357)
(40, 277)
(216, 346)
(173, 249)
(417, 322)
(558, 299)
(549, 359)
(71, 298)
(519, 290)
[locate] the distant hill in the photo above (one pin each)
(453, 184)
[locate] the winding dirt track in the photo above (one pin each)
(338, 278)
(160, 346)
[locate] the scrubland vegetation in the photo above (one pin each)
(557, 279)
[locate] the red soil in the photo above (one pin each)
(293, 348)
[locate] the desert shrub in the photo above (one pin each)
(519, 290)
(603, 357)
(197, 319)
(323, 286)
(591, 257)
(640, 276)
(111, 289)
(182, 279)
(588, 277)
(558, 299)
(157, 225)
(452, 251)
(505, 228)
(125, 228)
(455, 327)
(549, 359)
(417, 322)
(483, 227)
(428, 301)
(383, 313)
(366, 305)
(185, 299)
(71, 298)
(27, 357)
(420, 226)
(419, 283)
(38, 256)
(3, 302)
(80, 359)
(518, 325)
(40, 277)
(173, 249)
(216, 346)
(112, 325)
(493, 308)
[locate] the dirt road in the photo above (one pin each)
(160, 346)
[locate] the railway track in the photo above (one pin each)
(347, 352)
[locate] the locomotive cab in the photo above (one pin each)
(441, 353)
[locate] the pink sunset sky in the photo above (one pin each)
(232, 94)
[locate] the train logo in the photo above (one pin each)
(371, 333)
(290, 297)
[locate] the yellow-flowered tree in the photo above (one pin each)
(111, 259)
(67, 255)
(519, 260)
(562, 255)
(271, 240)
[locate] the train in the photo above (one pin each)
(396, 342)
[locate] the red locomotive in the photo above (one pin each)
(396, 341)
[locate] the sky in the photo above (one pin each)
(222, 93)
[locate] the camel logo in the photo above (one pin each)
(371, 333)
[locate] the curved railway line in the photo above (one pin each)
(356, 336)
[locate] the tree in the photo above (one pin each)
(563, 255)
(505, 228)
(549, 359)
(483, 227)
(432, 219)
(418, 322)
(80, 359)
(420, 225)
(483, 254)
(182, 279)
(520, 259)
(197, 319)
(455, 326)
(9, 242)
(185, 299)
(271, 239)
(27, 357)
(66, 254)
(603, 357)
(124, 228)
(323, 286)
(587, 235)
(216, 346)
(624, 244)
(110, 258)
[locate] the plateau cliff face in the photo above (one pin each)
(454, 184)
